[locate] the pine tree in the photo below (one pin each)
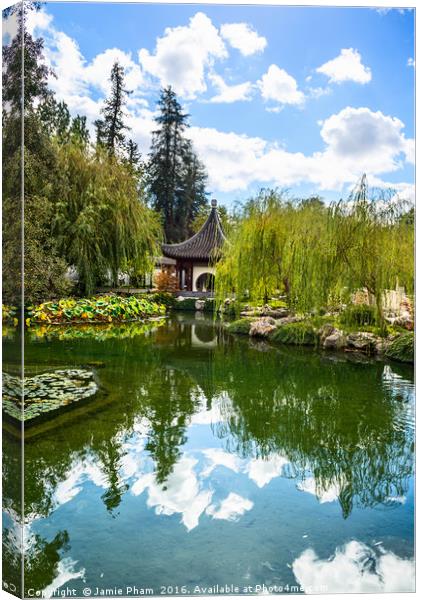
(110, 129)
(134, 158)
(176, 177)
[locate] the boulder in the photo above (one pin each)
(325, 331)
(288, 320)
(276, 313)
(199, 305)
(362, 341)
(262, 327)
(335, 341)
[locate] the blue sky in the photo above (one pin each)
(291, 97)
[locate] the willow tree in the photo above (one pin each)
(374, 245)
(101, 225)
(315, 254)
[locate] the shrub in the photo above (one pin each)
(164, 298)
(9, 314)
(96, 309)
(359, 315)
(166, 281)
(241, 326)
(300, 334)
(402, 348)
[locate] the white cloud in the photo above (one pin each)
(230, 509)
(330, 494)
(65, 572)
(346, 67)
(183, 54)
(244, 38)
(230, 93)
(356, 140)
(262, 471)
(411, 62)
(355, 569)
(277, 85)
(219, 458)
(374, 139)
(180, 494)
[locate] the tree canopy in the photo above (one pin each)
(176, 177)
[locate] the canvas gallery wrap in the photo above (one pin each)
(208, 299)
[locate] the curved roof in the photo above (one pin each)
(203, 245)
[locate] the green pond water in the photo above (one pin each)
(213, 461)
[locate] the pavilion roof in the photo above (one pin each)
(203, 245)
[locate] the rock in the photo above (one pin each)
(262, 327)
(276, 313)
(288, 320)
(335, 341)
(325, 331)
(199, 305)
(362, 341)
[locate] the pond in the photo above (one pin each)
(209, 463)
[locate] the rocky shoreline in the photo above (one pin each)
(303, 331)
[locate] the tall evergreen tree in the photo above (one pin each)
(176, 177)
(110, 129)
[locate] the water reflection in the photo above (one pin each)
(197, 424)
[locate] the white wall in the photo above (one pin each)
(198, 270)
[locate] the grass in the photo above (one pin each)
(402, 348)
(302, 333)
(241, 326)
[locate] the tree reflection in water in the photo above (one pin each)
(341, 425)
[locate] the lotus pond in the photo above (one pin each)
(210, 463)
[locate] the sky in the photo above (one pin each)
(303, 99)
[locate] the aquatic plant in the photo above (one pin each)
(9, 314)
(96, 309)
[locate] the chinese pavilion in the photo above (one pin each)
(195, 258)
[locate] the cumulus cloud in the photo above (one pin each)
(230, 93)
(243, 37)
(262, 471)
(183, 54)
(65, 572)
(230, 509)
(278, 86)
(181, 493)
(371, 137)
(353, 141)
(346, 67)
(330, 494)
(356, 140)
(357, 569)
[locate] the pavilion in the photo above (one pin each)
(195, 258)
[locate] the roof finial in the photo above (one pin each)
(214, 203)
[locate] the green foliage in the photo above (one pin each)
(301, 334)
(176, 177)
(402, 348)
(110, 129)
(317, 255)
(358, 314)
(100, 225)
(9, 314)
(241, 326)
(164, 298)
(95, 309)
(99, 332)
